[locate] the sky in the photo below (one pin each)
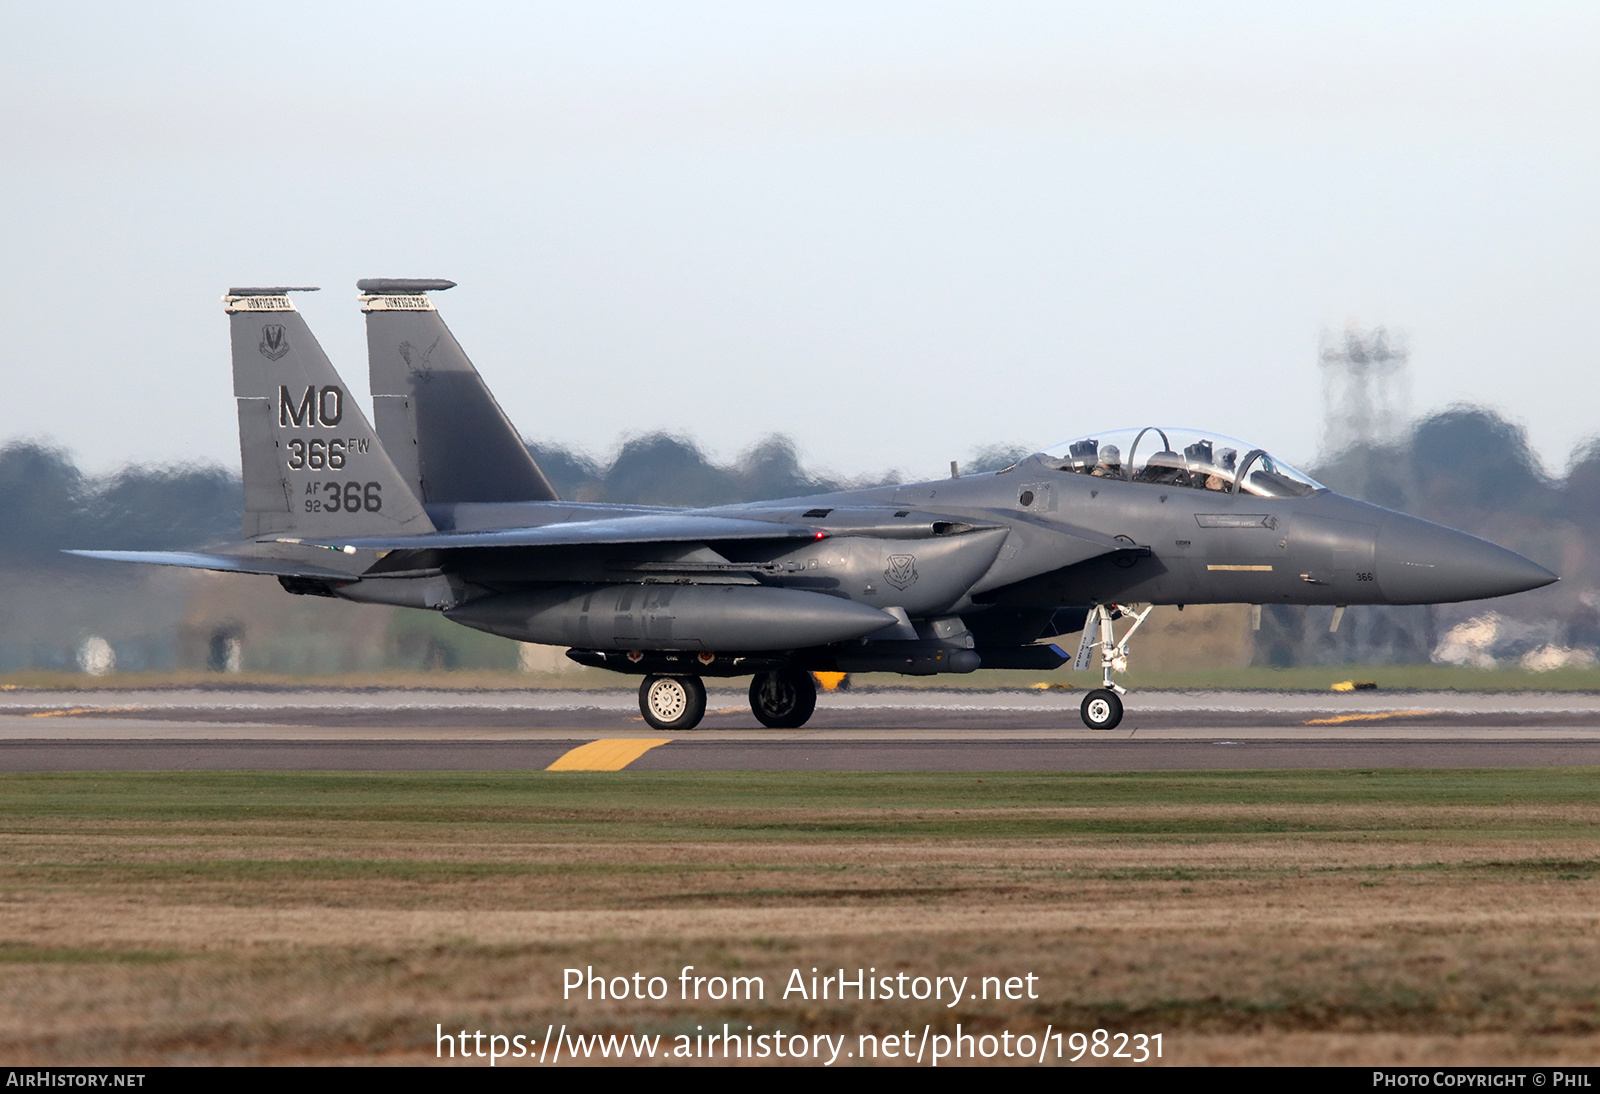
(894, 232)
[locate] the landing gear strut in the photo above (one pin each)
(672, 702)
(1102, 708)
(783, 698)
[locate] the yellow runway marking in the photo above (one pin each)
(1375, 717)
(1242, 569)
(612, 754)
(77, 710)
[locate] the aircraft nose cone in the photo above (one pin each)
(1419, 562)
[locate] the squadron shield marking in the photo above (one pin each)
(273, 343)
(901, 571)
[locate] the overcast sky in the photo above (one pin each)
(895, 232)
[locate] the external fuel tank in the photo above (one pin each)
(671, 617)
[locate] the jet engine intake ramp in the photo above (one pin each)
(437, 418)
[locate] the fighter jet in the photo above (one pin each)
(441, 507)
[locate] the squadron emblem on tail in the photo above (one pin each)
(273, 342)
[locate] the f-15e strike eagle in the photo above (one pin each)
(441, 507)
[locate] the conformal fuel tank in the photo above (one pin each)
(671, 617)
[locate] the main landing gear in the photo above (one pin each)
(783, 698)
(1102, 707)
(780, 699)
(672, 702)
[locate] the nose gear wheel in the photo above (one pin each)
(672, 702)
(783, 698)
(1101, 709)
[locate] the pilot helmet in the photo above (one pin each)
(1110, 455)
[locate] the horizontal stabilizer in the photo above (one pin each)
(649, 528)
(233, 564)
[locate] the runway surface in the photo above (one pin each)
(889, 730)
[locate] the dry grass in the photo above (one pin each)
(1408, 918)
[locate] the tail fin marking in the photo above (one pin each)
(312, 464)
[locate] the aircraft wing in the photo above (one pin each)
(195, 560)
(645, 528)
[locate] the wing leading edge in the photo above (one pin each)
(650, 528)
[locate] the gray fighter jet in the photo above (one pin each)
(441, 507)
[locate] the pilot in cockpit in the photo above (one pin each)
(1227, 461)
(1181, 457)
(1108, 464)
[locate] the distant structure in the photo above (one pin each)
(1365, 387)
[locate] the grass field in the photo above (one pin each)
(1360, 917)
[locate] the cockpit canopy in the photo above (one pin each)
(1189, 458)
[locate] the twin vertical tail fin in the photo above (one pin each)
(437, 418)
(313, 466)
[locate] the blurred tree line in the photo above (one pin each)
(47, 503)
(1466, 467)
(659, 469)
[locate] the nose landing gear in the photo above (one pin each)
(1102, 708)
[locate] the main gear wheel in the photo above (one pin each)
(672, 702)
(783, 698)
